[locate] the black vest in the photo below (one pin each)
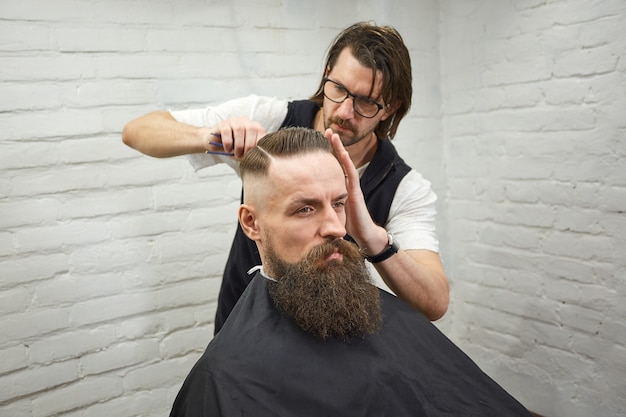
(379, 183)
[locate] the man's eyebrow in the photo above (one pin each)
(313, 201)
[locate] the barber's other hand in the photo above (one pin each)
(368, 235)
(237, 134)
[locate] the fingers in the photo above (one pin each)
(238, 135)
(343, 156)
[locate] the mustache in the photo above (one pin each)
(340, 245)
(342, 123)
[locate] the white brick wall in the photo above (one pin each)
(110, 261)
(534, 127)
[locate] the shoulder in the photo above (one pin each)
(414, 182)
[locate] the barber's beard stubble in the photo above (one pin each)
(329, 299)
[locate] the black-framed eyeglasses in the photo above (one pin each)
(363, 106)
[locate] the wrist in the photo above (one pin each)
(202, 138)
(390, 249)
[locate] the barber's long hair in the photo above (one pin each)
(380, 48)
(283, 143)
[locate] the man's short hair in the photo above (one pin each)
(290, 141)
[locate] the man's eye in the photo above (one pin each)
(340, 89)
(367, 102)
(305, 210)
(339, 204)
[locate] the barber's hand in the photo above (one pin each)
(370, 237)
(237, 134)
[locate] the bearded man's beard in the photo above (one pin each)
(327, 298)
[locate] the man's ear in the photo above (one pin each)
(390, 110)
(248, 221)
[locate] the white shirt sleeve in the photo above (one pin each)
(270, 112)
(413, 213)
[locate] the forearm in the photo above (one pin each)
(159, 135)
(418, 277)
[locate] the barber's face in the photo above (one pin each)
(357, 79)
(305, 207)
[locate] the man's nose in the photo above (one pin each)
(334, 224)
(346, 109)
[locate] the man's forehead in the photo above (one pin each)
(305, 163)
(353, 74)
(298, 171)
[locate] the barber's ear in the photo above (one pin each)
(390, 110)
(248, 221)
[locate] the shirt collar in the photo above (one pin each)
(260, 269)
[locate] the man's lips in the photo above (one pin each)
(338, 128)
(336, 254)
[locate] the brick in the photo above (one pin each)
(579, 246)
(13, 358)
(194, 39)
(19, 270)
(66, 234)
(581, 318)
(515, 237)
(28, 212)
(158, 374)
(578, 220)
(195, 242)
(160, 322)
(57, 67)
(19, 408)
(585, 62)
(29, 96)
(88, 391)
(119, 356)
(43, 124)
(29, 324)
(195, 293)
(106, 309)
(82, 150)
(613, 199)
(23, 36)
(150, 403)
(148, 224)
(186, 341)
(107, 92)
(7, 245)
(138, 66)
(37, 379)
(14, 300)
(71, 289)
(42, 10)
(567, 269)
(19, 155)
(71, 344)
(525, 215)
(569, 91)
(100, 39)
(147, 172)
(101, 204)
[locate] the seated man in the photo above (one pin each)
(311, 336)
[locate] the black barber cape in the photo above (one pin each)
(262, 364)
